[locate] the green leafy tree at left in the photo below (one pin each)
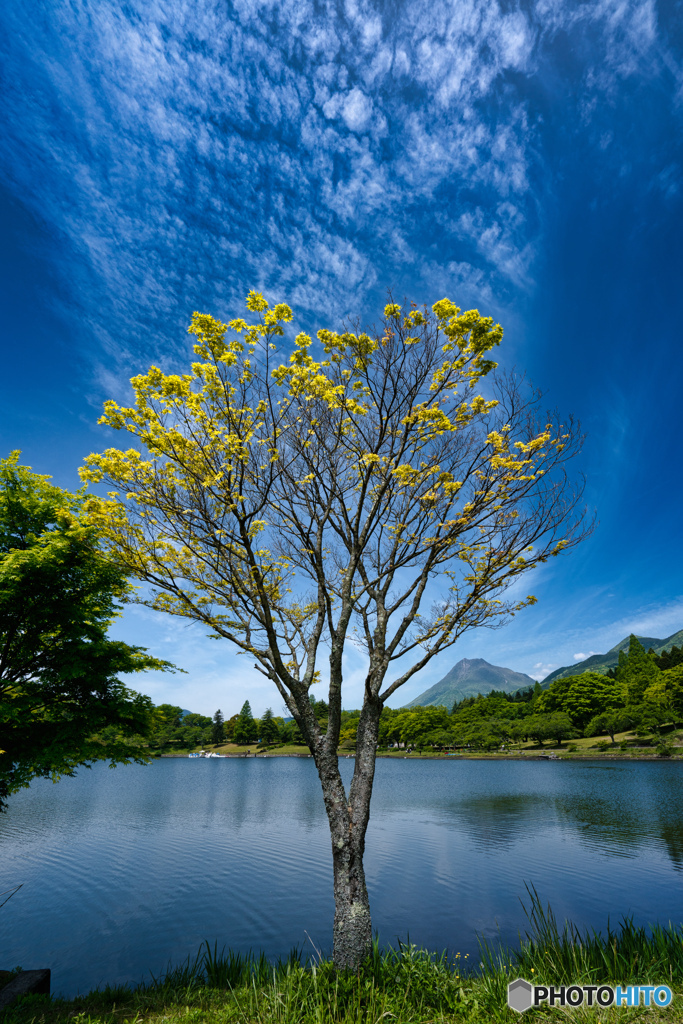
(61, 702)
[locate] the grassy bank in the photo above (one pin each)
(234, 750)
(576, 751)
(627, 746)
(403, 986)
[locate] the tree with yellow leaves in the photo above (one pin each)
(380, 488)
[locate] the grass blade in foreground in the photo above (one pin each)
(405, 985)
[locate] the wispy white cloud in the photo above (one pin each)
(545, 646)
(180, 154)
(184, 154)
(541, 670)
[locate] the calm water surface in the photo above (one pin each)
(127, 870)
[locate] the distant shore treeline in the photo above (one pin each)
(643, 693)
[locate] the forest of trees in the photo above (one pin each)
(175, 729)
(644, 694)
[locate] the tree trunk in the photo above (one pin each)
(352, 922)
(348, 821)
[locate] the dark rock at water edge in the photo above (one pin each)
(25, 984)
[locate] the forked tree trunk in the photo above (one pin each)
(348, 820)
(352, 922)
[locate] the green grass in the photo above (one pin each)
(625, 955)
(583, 746)
(405, 985)
(283, 750)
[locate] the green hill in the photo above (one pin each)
(603, 662)
(468, 678)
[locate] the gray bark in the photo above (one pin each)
(348, 818)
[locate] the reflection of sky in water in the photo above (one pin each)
(125, 870)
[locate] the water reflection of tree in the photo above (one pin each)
(672, 834)
(621, 826)
(604, 824)
(623, 808)
(664, 807)
(499, 820)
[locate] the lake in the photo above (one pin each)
(126, 870)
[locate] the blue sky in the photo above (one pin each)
(522, 158)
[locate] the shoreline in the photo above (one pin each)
(598, 756)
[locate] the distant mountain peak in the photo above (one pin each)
(469, 677)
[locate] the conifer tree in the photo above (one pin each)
(245, 728)
(668, 659)
(268, 731)
(217, 733)
(636, 671)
